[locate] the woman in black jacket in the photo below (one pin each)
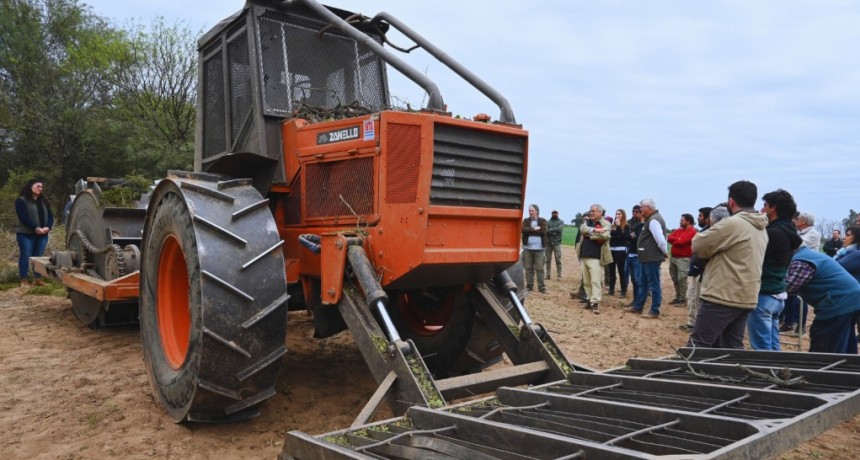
(35, 221)
(619, 241)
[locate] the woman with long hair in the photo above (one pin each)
(35, 221)
(619, 241)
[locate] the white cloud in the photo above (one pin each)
(624, 99)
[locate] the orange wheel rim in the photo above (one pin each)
(426, 318)
(174, 313)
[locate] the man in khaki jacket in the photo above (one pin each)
(593, 252)
(735, 248)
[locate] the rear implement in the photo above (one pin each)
(715, 404)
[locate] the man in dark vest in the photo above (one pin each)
(593, 252)
(834, 295)
(651, 249)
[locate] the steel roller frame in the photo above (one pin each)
(646, 409)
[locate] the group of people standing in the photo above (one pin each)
(737, 274)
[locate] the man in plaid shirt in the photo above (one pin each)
(834, 295)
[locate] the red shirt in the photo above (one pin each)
(682, 241)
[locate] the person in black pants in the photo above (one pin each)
(619, 244)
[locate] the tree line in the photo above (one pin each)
(81, 97)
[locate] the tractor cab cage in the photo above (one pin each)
(264, 64)
(280, 59)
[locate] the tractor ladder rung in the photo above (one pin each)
(484, 382)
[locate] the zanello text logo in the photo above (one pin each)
(340, 135)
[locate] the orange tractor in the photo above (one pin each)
(309, 192)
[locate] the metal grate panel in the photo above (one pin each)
(301, 65)
(820, 373)
(477, 168)
(617, 415)
(241, 98)
(402, 163)
(214, 124)
(339, 188)
(740, 403)
(293, 203)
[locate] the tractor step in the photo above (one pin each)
(704, 404)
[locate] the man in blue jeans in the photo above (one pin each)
(782, 240)
(631, 267)
(651, 248)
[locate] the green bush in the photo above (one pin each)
(9, 274)
(8, 194)
(121, 196)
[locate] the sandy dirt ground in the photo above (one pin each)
(70, 392)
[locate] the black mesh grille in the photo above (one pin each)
(293, 203)
(301, 66)
(328, 182)
(214, 138)
(241, 99)
(403, 163)
(477, 168)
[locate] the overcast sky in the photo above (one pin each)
(672, 100)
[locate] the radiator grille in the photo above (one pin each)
(477, 168)
(293, 203)
(402, 163)
(328, 182)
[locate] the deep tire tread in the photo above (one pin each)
(264, 204)
(261, 255)
(266, 311)
(227, 343)
(262, 364)
(250, 401)
(208, 192)
(226, 392)
(228, 286)
(222, 230)
(226, 184)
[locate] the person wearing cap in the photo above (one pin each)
(632, 267)
(555, 227)
(534, 245)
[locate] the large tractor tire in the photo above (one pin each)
(484, 349)
(439, 321)
(213, 298)
(451, 337)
